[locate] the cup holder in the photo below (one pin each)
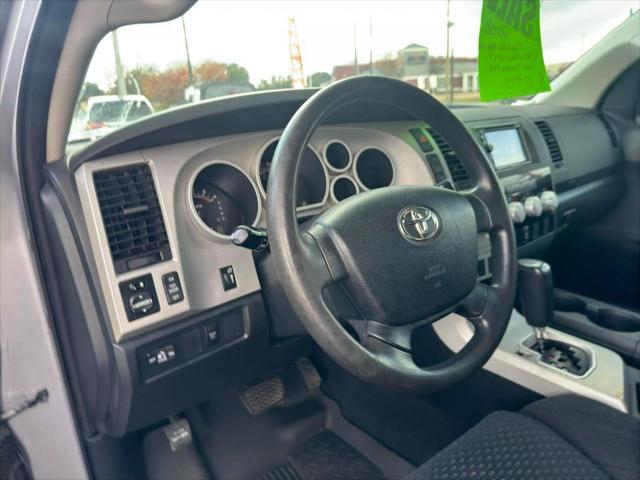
(609, 318)
(615, 320)
(569, 303)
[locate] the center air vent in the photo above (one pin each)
(132, 217)
(551, 141)
(458, 172)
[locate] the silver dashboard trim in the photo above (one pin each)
(354, 167)
(333, 182)
(121, 327)
(194, 214)
(605, 383)
(538, 357)
(328, 164)
(258, 182)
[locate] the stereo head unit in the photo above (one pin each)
(505, 145)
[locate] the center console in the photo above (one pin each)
(532, 352)
(526, 182)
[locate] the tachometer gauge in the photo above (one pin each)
(216, 209)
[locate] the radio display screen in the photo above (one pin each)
(507, 147)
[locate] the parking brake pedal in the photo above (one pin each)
(178, 433)
(262, 396)
(169, 453)
(309, 374)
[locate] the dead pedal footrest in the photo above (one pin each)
(262, 396)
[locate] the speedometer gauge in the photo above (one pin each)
(223, 198)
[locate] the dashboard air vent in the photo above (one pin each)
(612, 134)
(551, 141)
(132, 217)
(459, 174)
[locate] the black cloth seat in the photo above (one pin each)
(564, 437)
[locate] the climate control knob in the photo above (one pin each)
(516, 210)
(549, 201)
(533, 206)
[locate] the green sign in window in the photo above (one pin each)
(510, 50)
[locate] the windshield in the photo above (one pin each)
(222, 48)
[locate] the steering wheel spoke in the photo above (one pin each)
(396, 336)
(480, 210)
(313, 262)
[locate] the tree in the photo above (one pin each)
(210, 72)
(237, 75)
(319, 79)
(164, 88)
(276, 82)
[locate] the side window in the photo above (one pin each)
(137, 111)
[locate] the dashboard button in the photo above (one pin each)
(229, 280)
(141, 303)
(422, 139)
(139, 297)
(161, 355)
(436, 167)
(211, 334)
(172, 287)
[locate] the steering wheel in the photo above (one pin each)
(403, 256)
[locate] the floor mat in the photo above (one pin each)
(325, 457)
(418, 427)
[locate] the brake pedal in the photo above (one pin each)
(262, 396)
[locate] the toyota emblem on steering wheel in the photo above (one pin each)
(418, 224)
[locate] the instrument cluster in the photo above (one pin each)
(223, 196)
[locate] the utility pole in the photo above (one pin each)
(120, 83)
(186, 47)
(370, 46)
(448, 58)
(451, 63)
(355, 50)
(295, 57)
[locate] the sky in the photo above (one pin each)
(254, 33)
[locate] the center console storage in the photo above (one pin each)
(599, 322)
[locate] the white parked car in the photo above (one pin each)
(108, 112)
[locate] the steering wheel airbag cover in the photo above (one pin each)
(392, 278)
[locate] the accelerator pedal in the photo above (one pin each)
(260, 397)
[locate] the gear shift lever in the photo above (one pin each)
(535, 285)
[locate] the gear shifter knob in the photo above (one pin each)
(535, 285)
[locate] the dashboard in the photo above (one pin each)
(204, 190)
(152, 208)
